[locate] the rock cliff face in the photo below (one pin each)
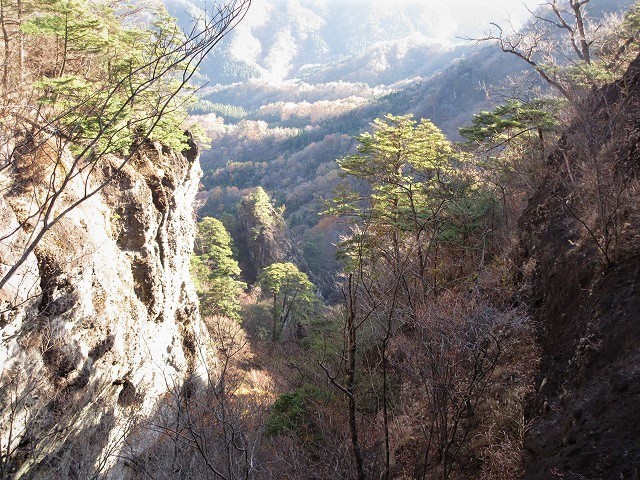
(262, 237)
(582, 230)
(101, 317)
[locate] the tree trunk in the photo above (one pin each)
(274, 327)
(352, 345)
(7, 52)
(21, 41)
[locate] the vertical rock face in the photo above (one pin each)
(263, 237)
(100, 318)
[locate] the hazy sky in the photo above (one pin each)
(472, 17)
(448, 19)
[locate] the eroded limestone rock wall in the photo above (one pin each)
(101, 318)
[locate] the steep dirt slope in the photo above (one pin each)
(582, 231)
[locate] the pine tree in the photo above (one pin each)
(94, 86)
(292, 293)
(418, 198)
(215, 271)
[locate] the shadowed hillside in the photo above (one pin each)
(583, 236)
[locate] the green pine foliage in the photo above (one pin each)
(106, 81)
(266, 215)
(509, 143)
(417, 189)
(290, 413)
(215, 272)
(399, 161)
(292, 292)
(512, 119)
(231, 113)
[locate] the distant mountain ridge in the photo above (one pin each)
(322, 41)
(282, 39)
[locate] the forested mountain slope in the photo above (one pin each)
(328, 41)
(373, 300)
(293, 158)
(284, 135)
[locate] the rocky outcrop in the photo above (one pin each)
(262, 236)
(582, 231)
(101, 317)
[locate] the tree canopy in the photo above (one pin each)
(417, 194)
(215, 271)
(570, 49)
(80, 77)
(292, 293)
